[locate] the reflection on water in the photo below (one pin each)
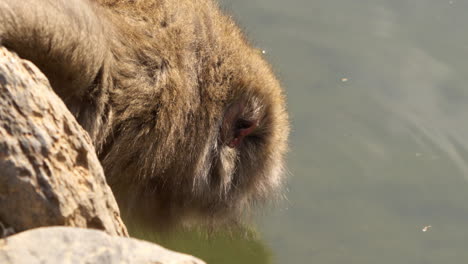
(220, 247)
(378, 99)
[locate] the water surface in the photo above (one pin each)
(378, 97)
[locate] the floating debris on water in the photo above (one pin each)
(426, 228)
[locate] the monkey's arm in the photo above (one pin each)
(64, 38)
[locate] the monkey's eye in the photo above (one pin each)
(235, 128)
(243, 124)
(242, 128)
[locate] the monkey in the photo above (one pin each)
(187, 118)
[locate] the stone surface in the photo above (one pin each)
(66, 245)
(49, 172)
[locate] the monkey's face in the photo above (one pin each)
(241, 160)
(209, 146)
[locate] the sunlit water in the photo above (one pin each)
(379, 103)
(378, 97)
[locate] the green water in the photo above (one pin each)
(378, 98)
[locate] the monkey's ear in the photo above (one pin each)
(236, 126)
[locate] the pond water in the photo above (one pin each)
(378, 96)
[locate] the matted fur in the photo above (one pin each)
(151, 81)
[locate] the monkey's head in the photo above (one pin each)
(200, 129)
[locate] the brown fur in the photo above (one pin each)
(156, 83)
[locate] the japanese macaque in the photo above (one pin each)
(187, 118)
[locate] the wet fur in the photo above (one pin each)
(151, 81)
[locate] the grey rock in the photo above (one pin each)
(49, 172)
(66, 245)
